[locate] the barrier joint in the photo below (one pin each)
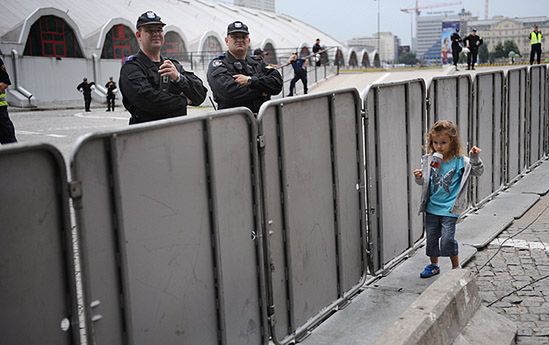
(75, 189)
(261, 141)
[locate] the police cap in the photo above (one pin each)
(237, 26)
(259, 52)
(148, 18)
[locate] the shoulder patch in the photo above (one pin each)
(216, 63)
(129, 58)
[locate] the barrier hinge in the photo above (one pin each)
(261, 140)
(75, 189)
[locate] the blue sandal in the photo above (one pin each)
(429, 271)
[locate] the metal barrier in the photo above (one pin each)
(169, 218)
(450, 98)
(488, 117)
(515, 120)
(536, 113)
(171, 215)
(313, 199)
(395, 115)
(37, 285)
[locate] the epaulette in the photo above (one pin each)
(129, 58)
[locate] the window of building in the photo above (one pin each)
(52, 36)
(120, 42)
(174, 47)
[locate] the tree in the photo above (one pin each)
(510, 46)
(407, 58)
(498, 51)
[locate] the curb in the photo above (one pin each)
(450, 312)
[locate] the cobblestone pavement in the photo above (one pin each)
(520, 261)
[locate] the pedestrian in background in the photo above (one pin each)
(237, 79)
(154, 87)
(473, 41)
(86, 89)
(445, 176)
(7, 130)
(535, 38)
(456, 47)
(300, 72)
(317, 50)
(111, 89)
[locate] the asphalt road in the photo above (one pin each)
(62, 128)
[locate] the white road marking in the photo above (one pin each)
(521, 244)
(28, 133)
(84, 116)
(377, 81)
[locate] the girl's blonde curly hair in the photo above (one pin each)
(439, 127)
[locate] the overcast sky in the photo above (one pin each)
(345, 19)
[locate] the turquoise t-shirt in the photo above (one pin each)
(444, 187)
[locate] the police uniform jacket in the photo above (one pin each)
(265, 81)
(4, 78)
(474, 42)
(110, 86)
(141, 94)
(456, 39)
(86, 88)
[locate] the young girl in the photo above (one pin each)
(444, 190)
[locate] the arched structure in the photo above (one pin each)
(119, 43)
(352, 60)
(365, 61)
(339, 59)
(175, 47)
(52, 36)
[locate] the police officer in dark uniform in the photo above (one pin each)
(111, 89)
(154, 87)
(7, 131)
(456, 47)
(86, 89)
(237, 79)
(473, 41)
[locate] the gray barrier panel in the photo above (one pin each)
(37, 286)
(171, 233)
(515, 149)
(394, 141)
(536, 112)
(488, 123)
(312, 172)
(450, 98)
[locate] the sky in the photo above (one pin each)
(345, 19)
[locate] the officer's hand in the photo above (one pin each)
(241, 79)
(169, 69)
(3, 87)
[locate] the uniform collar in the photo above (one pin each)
(145, 59)
(231, 59)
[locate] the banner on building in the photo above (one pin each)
(448, 28)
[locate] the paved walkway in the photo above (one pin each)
(518, 257)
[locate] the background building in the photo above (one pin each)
(388, 45)
(263, 5)
(500, 29)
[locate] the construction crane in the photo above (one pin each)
(417, 11)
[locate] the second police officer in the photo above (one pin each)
(154, 87)
(237, 79)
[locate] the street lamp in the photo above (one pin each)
(378, 34)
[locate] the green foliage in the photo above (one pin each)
(407, 58)
(502, 51)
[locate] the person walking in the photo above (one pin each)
(111, 89)
(444, 176)
(86, 89)
(456, 47)
(237, 79)
(317, 50)
(473, 41)
(7, 130)
(300, 72)
(535, 38)
(154, 87)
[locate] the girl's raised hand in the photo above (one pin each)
(474, 150)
